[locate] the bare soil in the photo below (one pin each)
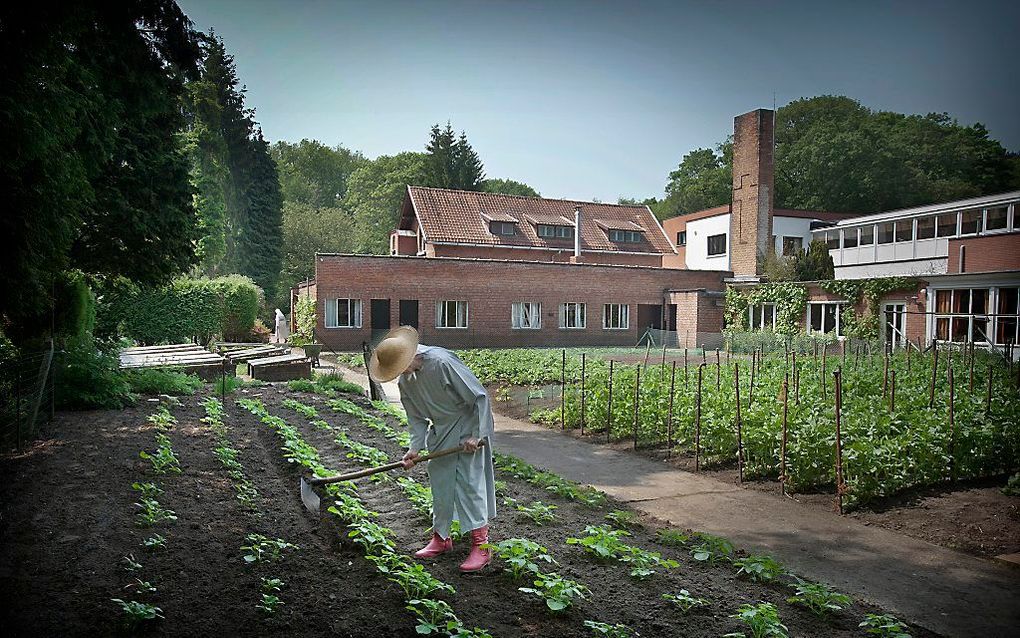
(970, 516)
(67, 518)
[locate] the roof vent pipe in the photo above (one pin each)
(577, 231)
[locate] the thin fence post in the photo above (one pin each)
(685, 366)
(582, 392)
(750, 386)
(838, 390)
(892, 393)
(909, 348)
(697, 423)
(952, 428)
(563, 388)
(718, 370)
(824, 391)
(740, 447)
(637, 399)
(885, 375)
(971, 386)
(609, 406)
(669, 418)
(934, 369)
(663, 365)
(782, 448)
(988, 393)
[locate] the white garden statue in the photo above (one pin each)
(282, 329)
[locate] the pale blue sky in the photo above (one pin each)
(597, 99)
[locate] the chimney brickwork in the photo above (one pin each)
(753, 187)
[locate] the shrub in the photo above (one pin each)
(305, 311)
(162, 381)
(87, 378)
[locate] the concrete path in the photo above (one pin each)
(948, 592)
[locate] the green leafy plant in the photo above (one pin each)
(520, 556)
(136, 613)
(163, 460)
(604, 543)
(131, 564)
(709, 548)
(156, 541)
(373, 537)
(162, 419)
(674, 537)
(432, 615)
(684, 601)
(759, 568)
(884, 626)
(538, 512)
(762, 620)
(819, 598)
(417, 582)
(419, 495)
(306, 411)
(142, 586)
(162, 381)
(148, 490)
(272, 585)
(558, 593)
(623, 519)
(269, 604)
(261, 548)
(153, 513)
(610, 631)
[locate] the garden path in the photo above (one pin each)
(948, 592)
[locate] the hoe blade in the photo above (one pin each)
(309, 497)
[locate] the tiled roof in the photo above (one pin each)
(453, 216)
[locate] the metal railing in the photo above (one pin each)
(26, 388)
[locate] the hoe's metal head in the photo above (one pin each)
(309, 497)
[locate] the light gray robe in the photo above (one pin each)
(446, 392)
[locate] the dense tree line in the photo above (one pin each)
(834, 154)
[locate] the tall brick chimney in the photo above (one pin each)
(753, 186)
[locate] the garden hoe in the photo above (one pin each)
(311, 499)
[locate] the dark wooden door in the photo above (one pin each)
(380, 314)
(409, 313)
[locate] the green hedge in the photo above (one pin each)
(191, 309)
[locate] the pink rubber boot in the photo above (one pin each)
(479, 557)
(435, 547)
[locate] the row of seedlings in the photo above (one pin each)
(260, 549)
(162, 461)
(433, 616)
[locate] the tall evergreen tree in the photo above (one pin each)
(470, 172)
(450, 162)
(260, 237)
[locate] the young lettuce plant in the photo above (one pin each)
(819, 598)
(684, 601)
(558, 592)
(520, 556)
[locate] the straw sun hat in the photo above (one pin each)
(393, 354)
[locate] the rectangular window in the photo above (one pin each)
(850, 238)
(925, 227)
(885, 233)
(970, 220)
(962, 315)
(905, 230)
(762, 316)
(572, 315)
(625, 236)
(995, 218)
(867, 235)
(824, 318)
(503, 228)
(451, 314)
(615, 316)
(1009, 316)
(832, 239)
(343, 313)
(792, 246)
(716, 245)
(555, 232)
(526, 315)
(681, 238)
(946, 225)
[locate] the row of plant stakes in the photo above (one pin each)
(908, 418)
(522, 558)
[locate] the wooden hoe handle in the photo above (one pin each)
(350, 476)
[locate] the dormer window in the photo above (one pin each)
(554, 232)
(503, 228)
(624, 236)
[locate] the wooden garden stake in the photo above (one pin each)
(885, 376)
(697, 423)
(648, 348)
(685, 367)
(782, 449)
(637, 399)
(839, 441)
(988, 393)
(718, 369)
(609, 406)
(934, 370)
(740, 446)
(662, 369)
(824, 394)
(582, 392)
(892, 393)
(909, 348)
(750, 387)
(704, 355)
(563, 393)
(669, 419)
(952, 428)
(971, 387)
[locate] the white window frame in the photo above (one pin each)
(616, 316)
(331, 319)
(580, 312)
(526, 315)
(837, 329)
(502, 226)
(767, 316)
(460, 312)
(952, 316)
(1015, 318)
(624, 236)
(558, 231)
(708, 240)
(681, 238)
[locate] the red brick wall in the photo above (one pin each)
(985, 254)
(672, 226)
(563, 256)
(404, 244)
(490, 287)
(751, 219)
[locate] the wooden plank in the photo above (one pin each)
(164, 348)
